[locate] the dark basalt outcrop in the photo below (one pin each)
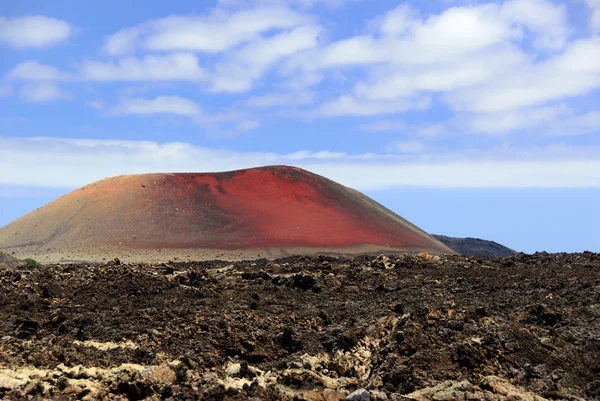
(475, 246)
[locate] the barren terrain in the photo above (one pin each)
(423, 328)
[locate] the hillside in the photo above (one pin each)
(475, 246)
(8, 261)
(269, 211)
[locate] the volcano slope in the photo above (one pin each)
(262, 212)
(442, 328)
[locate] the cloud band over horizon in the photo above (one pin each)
(70, 163)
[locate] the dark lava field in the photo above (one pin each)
(401, 327)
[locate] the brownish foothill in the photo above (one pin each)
(8, 261)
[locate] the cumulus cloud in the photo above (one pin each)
(97, 104)
(175, 105)
(238, 72)
(304, 4)
(499, 123)
(55, 162)
(218, 124)
(472, 55)
(281, 99)
(248, 125)
(42, 92)
(548, 21)
(350, 106)
(422, 130)
(215, 32)
(391, 81)
(418, 41)
(594, 6)
(33, 31)
(169, 67)
(322, 155)
(586, 123)
(564, 75)
(246, 45)
(411, 146)
(35, 71)
(501, 67)
(383, 125)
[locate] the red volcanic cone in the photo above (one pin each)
(279, 209)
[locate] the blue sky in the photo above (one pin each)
(468, 118)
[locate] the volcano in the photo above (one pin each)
(270, 211)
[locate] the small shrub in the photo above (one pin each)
(31, 262)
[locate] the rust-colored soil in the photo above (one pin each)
(271, 208)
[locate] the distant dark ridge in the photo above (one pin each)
(475, 246)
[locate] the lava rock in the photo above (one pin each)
(359, 395)
(52, 290)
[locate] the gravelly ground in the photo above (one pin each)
(317, 328)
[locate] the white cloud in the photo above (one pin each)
(238, 72)
(281, 99)
(97, 104)
(397, 21)
(540, 122)
(466, 174)
(430, 130)
(217, 124)
(410, 146)
(234, 72)
(474, 55)
(33, 31)
(122, 42)
(395, 81)
(456, 32)
(571, 73)
(502, 122)
(383, 125)
(449, 36)
(216, 32)
(596, 20)
(42, 92)
(547, 20)
(55, 162)
(243, 44)
(353, 51)
(500, 66)
(350, 106)
(427, 130)
(34, 71)
(322, 155)
(248, 125)
(587, 123)
(169, 67)
(304, 4)
(594, 6)
(175, 105)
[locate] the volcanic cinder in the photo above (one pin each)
(269, 211)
